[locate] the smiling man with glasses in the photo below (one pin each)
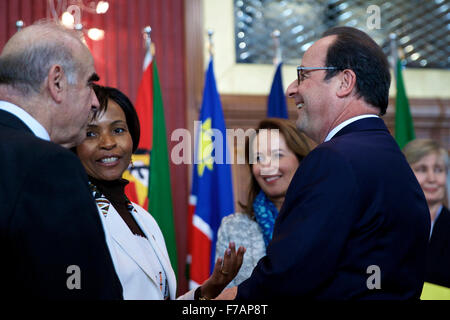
(354, 223)
(301, 74)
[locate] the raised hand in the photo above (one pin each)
(225, 270)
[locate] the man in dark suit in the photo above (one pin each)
(51, 237)
(355, 223)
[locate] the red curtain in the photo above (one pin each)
(118, 60)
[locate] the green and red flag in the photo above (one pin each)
(404, 126)
(150, 178)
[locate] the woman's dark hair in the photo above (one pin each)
(106, 93)
(295, 141)
(355, 50)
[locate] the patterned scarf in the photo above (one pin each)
(103, 202)
(265, 214)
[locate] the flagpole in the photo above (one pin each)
(276, 102)
(210, 43)
(277, 58)
(149, 46)
(146, 32)
(19, 25)
(394, 52)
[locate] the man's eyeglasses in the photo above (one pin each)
(301, 73)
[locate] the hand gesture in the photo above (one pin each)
(225, 270)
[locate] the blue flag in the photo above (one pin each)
(276, 106)
(212, 191)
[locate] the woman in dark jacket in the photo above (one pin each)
(429, 162)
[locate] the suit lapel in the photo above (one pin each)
(440, 232)
(122, 235)
(160, 252)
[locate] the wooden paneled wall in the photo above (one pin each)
(431, 120)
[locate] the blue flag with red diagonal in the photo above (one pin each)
(276, 105)
(212, 191)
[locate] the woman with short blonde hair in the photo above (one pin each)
(429, 162)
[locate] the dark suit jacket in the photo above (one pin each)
(438, 261)
(48, 221)
(353, 203)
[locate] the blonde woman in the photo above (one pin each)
(429, 162)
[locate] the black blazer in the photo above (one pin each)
(438, 261)
(48, 221)
(353, 203)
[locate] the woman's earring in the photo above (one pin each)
(132, 164)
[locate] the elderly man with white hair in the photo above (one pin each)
(52, 241)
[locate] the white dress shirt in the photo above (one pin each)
(346, 123)
(438, 212)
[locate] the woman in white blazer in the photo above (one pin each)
(134, 239)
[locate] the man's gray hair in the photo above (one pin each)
(26, 69)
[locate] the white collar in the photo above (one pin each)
(346, 123)
(37, 128)
(438, 212)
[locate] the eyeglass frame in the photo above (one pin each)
(300, 69)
